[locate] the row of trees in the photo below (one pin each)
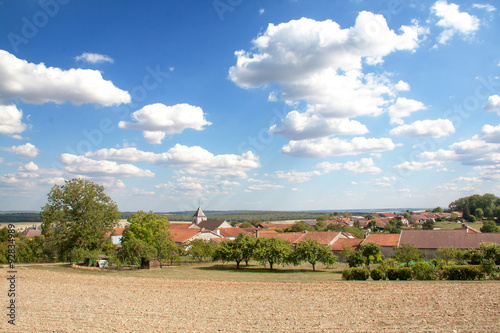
(273, 251)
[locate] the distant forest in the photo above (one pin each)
(239, 216)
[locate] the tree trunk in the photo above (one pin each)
(237, 265)
(314, 267)
(271, 266)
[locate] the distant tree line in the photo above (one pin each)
(477, 207)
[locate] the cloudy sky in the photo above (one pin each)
(285, 105)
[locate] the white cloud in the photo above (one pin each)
(402, 86)
(156, 120)
(387, 179)
(322, 64)
(454, 21)
(262, 187)
(328, 166)
(94, 58)
(89, 167)
(289, 51)
(482, 149)
(10, 119)
(417, 166)
(425, 129)
(26, 150)
(190, 160)
(299, 126)
(130, 154)
(493, 104)
(29, 167)
(38, 84)
(153, 137)
(486, 7)
(324, 147)
(365, 165)
(403, 108)
(262, 11)
(296, 176)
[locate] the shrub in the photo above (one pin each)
(424, 271)
(403, 273)
(377, 274)
(488, 267)
(463, 273)
(355, 273)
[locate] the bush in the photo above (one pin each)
(463, 273)
(403, 273)
(377, 274)
(424, 271)
(355, 273)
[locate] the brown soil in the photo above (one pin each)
(54, 301)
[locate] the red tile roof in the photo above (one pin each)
(179, 225)
(230, 232)
(322, 237)
(345, 242)
(182, 235)
(386, 240)
(115, 232)
(458, 238)
(30, 233)
(292, 237)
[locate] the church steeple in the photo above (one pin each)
(199, 216)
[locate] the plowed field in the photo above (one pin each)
(51, 300)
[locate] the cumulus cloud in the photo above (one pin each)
(86, 166)
(482, 149)
(38, 84)
(322, 64)
(493, 104)
(418, 166)
(94, 58)
(365, 165)
(289, 51)
(190, 160)
(318, 148)
(453, 21)
(296, 176)
(26, 150)
(10, 119)
(158, 119)
(403, 108)
(425, 129)
(300, 126)
(262, 187)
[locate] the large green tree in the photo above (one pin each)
(149, 237)
(313, 252)
(78, 215)
(272, 251)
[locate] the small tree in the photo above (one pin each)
(228, 251)
(201, 249)
(247, 245)
(371, 253)
(353, 258)
(428, 225)
(273, 251)
(479, 213)
(407, 253)
(489, 226)
(313, 252)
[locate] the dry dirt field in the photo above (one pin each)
(58, 300)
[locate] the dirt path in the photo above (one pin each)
(52, 301)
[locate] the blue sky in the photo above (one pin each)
(282, 105)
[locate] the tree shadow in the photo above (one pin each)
(256, 269)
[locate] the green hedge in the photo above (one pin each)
(463, 272)
(377, 274)
(403, 273)
(424, 271)
(355, 273)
